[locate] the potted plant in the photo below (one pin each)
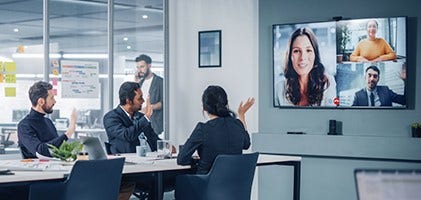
(67, 150)
(342, 38)
(416, 129)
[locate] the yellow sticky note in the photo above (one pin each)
(1, 66)
(55, 72)
(10, 92)
(10, 78)
(10, 67)
(1, 78)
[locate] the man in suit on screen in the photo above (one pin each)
(377, 95)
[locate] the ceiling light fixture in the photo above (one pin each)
(56, 55)
(15, 30)
(90, 55)
(145, 16)
(5, 59)
(34, 55)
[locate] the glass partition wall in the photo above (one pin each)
(79, 36)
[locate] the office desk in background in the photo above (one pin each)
(156, 167)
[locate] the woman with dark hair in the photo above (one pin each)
(305, 82)
(221, 134)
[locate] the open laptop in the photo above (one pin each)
(94, 147)
(386, 184)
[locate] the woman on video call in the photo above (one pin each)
(305, 82)
(372, 49)
(221, 134)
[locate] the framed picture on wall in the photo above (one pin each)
(210, 48)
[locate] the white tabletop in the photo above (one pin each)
(142, 165)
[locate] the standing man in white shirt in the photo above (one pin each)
(152, 87)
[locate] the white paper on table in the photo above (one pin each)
(46, 157)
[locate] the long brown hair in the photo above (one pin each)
(317, 79)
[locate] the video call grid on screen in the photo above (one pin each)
(349, 77)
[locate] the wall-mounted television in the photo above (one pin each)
(357, 63)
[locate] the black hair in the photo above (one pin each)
(373, 67)
(215, 102)
(127, 91)
(146, 58)
(39, 90)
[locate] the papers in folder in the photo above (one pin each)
(35, 165)
(134, 159)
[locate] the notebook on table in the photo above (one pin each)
(386, 184)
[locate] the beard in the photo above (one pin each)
(372, 85)
(144, 75)
(46, 109)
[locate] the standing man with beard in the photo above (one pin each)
(377, 95)
(35, 131)
(152, 87)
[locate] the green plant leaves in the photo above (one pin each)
(67, 150)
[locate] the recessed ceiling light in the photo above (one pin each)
(15, 30)
(145, 16)
(125, 38)
(129, 47)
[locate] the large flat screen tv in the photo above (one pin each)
(358, 63)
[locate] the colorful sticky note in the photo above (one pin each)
(1, 77)
(1, 66)
(10, 78)
(55, 72)
(54, 81)
(10, 92)
(10, 67)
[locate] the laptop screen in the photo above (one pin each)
(94, 147)
(377, 184)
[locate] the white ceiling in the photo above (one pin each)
(80, 26)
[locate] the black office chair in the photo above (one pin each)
(89, 179)
(230, 178)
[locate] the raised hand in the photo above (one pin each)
(148, 109)
(402, 74)
(72, 124)
(244, 107)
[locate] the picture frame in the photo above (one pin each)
(210, 48)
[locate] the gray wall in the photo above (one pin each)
(328, 163)
(315, 121)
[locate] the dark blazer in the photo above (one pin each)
(123, 132)
(156, 92)
(386, 97)
(223, 135)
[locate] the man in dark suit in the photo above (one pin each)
(152, 86)
(125, 123)
(376, 95)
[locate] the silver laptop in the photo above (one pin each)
(94, 147)
(382, 184)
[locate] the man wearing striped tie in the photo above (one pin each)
(377, 95)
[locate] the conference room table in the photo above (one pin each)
(136, 165)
